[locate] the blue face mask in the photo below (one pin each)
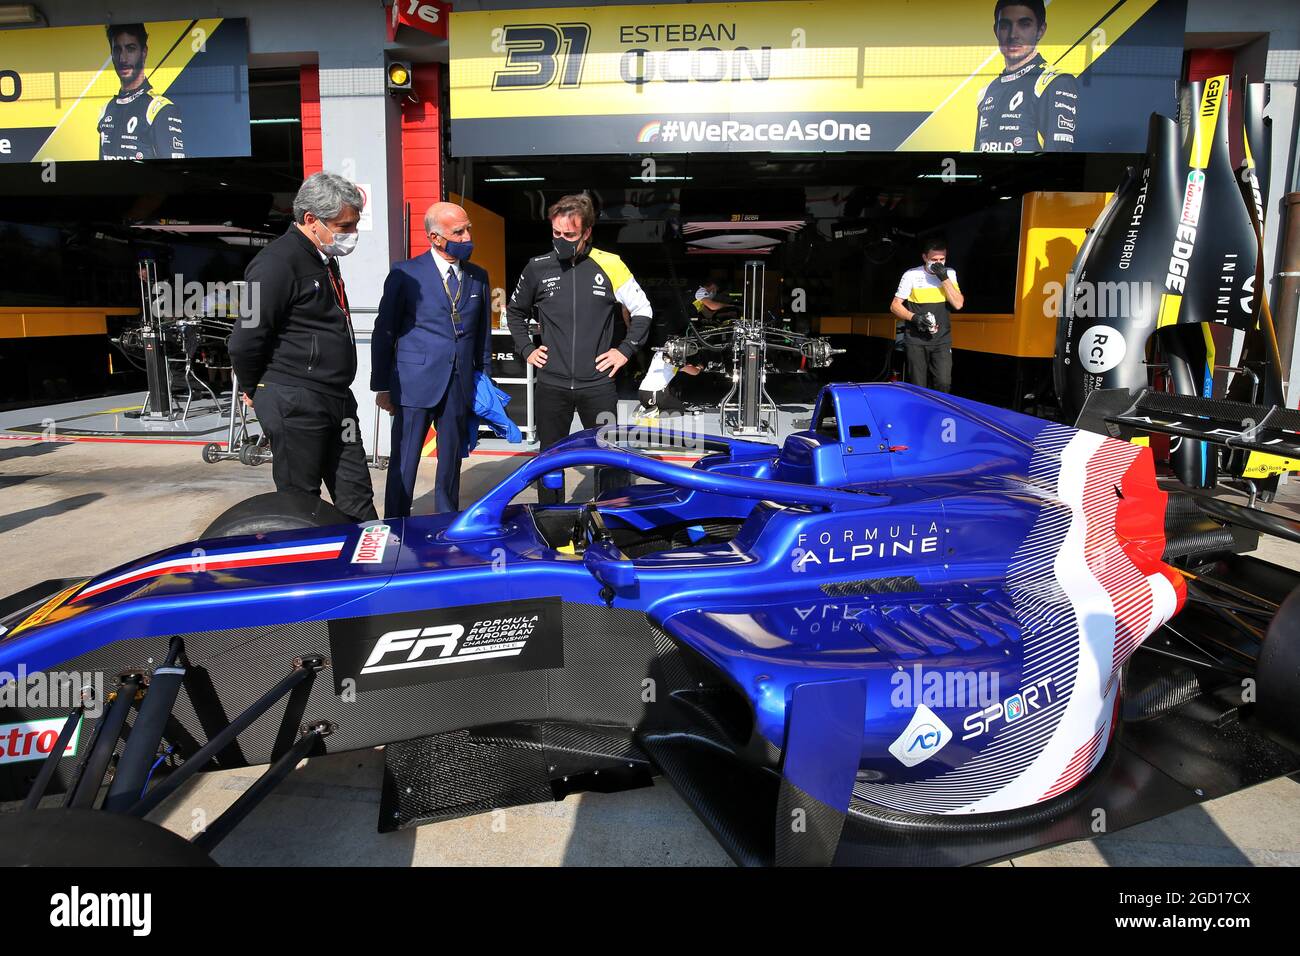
(459, 250)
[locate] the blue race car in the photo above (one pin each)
(909, 634)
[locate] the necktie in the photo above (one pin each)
(451, 285)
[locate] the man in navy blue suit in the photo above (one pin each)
(433, 333)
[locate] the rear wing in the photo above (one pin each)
(1270, 431)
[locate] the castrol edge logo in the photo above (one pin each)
(371, 545)
(1193, 194)
(34, 740)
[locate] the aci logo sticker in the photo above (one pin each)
(924, 737)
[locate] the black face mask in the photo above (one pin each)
(564, 248)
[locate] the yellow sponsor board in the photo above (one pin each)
(908, 75)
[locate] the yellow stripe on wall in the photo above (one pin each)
(24, 323)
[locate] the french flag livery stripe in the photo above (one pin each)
(1123, 582)
(218, 561)
(1088, 587)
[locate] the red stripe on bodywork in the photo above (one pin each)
(213, 565)
(1077, 767)
(1108, 559)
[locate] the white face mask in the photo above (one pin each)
(344, 243)
(341, 243)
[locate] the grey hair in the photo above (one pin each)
(324, 195)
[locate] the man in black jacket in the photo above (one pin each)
(578, 294)
(296, 356)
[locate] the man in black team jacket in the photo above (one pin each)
(578, 294)
(296, 356)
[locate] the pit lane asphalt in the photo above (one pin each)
(72, 508)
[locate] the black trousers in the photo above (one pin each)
(554, 407)
(316, 437)
(929, 366)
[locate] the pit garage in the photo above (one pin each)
(121, 426)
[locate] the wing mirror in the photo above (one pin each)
(553, 480)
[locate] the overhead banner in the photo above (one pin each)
(162, 89)
(814, 75)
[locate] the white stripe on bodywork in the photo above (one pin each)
(195, 563)
(1089, 704)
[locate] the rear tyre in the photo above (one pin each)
(86, 838)
(1277, 672)
(276, 511)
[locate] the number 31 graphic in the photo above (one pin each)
(533, 54)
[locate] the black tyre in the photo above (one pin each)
(212, 453)
(85, 838)
(1277, 672)
(276, 511)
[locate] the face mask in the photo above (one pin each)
(343, 243)
(564, 248)
(459, 250)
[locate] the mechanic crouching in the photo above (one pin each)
(296, 356)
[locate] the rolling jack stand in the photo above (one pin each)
(241, 444)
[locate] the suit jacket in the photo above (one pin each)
(415, 354)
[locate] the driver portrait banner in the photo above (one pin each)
(814, 76)
(157, 89)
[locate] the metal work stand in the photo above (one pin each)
(530, 428)
(158, 404)
(754, 415)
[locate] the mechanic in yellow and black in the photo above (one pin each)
(137, 123)
(577, 293)
(925, 295)
(1030, 107)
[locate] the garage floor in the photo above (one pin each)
(70, 508)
